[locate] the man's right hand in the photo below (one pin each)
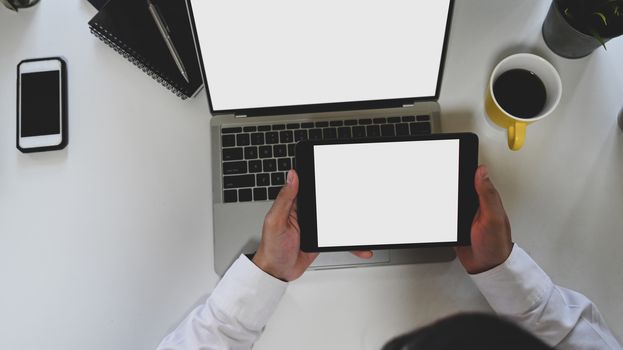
(491, 231)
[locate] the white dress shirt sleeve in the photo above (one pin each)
(562, 318)
(234, 315)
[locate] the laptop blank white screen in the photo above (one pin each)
(387, 193)
(274, 53)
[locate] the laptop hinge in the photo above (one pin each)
(240, 115)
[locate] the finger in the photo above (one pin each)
(309, 257)
(363, 254)
(287, 196)
(490, 203)
(294, 211)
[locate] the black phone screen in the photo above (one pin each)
(40, 103)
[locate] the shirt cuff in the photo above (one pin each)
(249, 294)
(516, 286)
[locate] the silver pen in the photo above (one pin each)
(166, 35)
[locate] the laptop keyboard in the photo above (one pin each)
(256, 159)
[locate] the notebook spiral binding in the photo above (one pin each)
(135, 58)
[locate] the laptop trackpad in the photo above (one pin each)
(345, 259)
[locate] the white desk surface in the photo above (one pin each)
(108, 243)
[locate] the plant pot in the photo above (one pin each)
(19, 4)
(22, 4)
(563, 39)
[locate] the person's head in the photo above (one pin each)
(468, 331)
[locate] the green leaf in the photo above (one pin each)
(602, 16)
(598, 38)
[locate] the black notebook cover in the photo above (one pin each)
(98, 4)
(128, 27)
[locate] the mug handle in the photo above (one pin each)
(516, 135)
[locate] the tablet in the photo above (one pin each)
(401, 192)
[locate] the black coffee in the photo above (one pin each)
(520, 92)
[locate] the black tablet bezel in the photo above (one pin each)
(306, 201)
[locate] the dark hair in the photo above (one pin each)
(468, 331)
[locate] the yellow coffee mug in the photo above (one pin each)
(516, 126)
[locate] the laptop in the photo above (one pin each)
(277, 72)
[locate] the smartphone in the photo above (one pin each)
(41, 105)
(402, 192)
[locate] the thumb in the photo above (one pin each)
(287, 196)
(490, 203)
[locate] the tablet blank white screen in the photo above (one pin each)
(387, 192)
(281, 52)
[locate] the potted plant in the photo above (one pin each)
(18, 4)
(575, 28)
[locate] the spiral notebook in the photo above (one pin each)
(127, 27)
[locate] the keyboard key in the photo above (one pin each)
(393, 120)
(283, 164)
(266, 152)
(280, 151)
(255, 166)
(293, 126)
(257, 139)
(423, 118)
(279, 127)
(228, 140)
(270, 165)
(300, 135)
(236, 181)
(230, 168)
(315, 134)
(291, 149)
(322, 124)
(272, 138)
(231, 130)
(350, 122)
(373, 131)
(277, 179)
(259, 194)
(343, 133)
(387, 130)
(408, 119)
(336, 123)
(293, 163)
(402, 129)
(232, 154)
(250, 152)
(263, 128)
(379, 120)
(307, 125)
(273, 192)
(263, 180)
(420, 128)
(245, 195)
(249, 128)
(365, 121)
(359, 131)
(230, 196)
(329, 133)
(242, 139)
(286, 136)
